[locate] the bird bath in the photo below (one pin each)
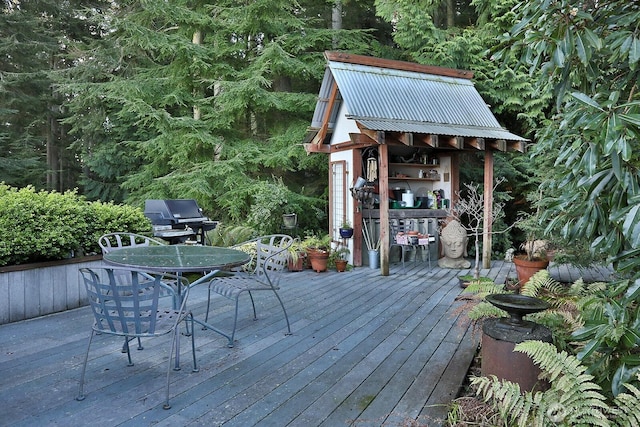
(517, 306)
(500, 336)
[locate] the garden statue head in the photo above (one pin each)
(454, 240)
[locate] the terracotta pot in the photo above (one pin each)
(299, 264)
(318, 259)
(526, 268)
(341, 265)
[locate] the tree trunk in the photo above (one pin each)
(336, 20)
(197, 39)
(451, 13)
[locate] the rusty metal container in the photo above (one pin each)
(498, 358)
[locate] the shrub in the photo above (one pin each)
(110, 218)
(42, 226)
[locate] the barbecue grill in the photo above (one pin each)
(176, 220)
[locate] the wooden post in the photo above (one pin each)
(383, 193)
(488, 206)
(356, 161)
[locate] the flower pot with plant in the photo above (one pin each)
(535, 247)
(297, 256)
(346, 230)
(318, 251)
(339, 258)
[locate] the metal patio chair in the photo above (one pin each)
(134, 308)
(269, 258)
(404, 226)
(114, 241)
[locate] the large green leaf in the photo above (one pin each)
(631, 226)
(586, 99)
(634, 52)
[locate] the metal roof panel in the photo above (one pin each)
(403, 95)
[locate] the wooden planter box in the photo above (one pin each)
(33, 290)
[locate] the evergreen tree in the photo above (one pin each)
(34, 37)
(205, 100)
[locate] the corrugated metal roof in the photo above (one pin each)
(388, 99)
(440, 129)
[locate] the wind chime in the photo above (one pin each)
(372, 168)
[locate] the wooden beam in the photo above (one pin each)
(362, 139)
(315, 148)
(430, 140)
(520, 146)
(350, 145)
(319, 138)
(456, 142)
(477, 143)
(396, 65)
(372, 134)
(407, 138)
(499, 144)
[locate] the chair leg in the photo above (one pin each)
(176, 367)
(193, 344)
(206, 317)
(127, 339)
(253, 304)
(235, 323)
(84, 369)
(175, 339)
(286, 317)
(128, 351)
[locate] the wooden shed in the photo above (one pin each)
(400, 127)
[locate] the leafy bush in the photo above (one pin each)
(110, 218)
(42, 226)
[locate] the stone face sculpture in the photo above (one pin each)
(454, 246)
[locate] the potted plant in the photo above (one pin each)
(297, 256)
(338, 258)
(535, 247)
(346, 230)
(318, 251)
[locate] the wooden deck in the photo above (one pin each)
(366, 350)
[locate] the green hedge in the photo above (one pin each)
(43, 226)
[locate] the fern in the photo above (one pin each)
(573, 399)
(625, 411)
(542, 280)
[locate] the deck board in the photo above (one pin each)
(365, 350)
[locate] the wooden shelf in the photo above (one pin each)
(394, 178)
(414, 165)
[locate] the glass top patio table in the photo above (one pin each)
(177, 258)
(208, 260)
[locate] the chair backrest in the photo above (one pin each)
(124, 307)
(272, 254)
(113, 241)
(400, 226)
(269, 254)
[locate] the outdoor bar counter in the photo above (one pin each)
(426, 221)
